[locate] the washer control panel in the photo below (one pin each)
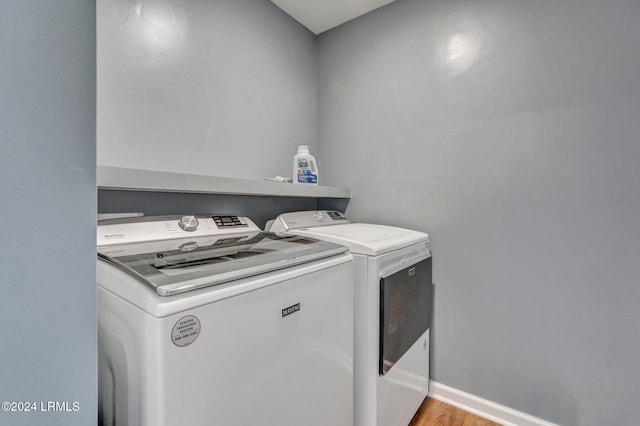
(155, 228)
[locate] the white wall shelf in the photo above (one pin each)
(125, 179)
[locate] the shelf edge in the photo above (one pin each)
(128, 179)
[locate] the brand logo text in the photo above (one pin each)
(290, 310)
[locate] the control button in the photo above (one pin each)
(318, 215)
(188, 223)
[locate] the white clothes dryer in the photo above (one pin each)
(207, 320)
(392, 310)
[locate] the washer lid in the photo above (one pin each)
(365, 238)
(179, 265)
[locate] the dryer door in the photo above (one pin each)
(405, 311)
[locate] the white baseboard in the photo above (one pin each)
(483, 408)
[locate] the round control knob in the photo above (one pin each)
(318, 215)
(188, 223)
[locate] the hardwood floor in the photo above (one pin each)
(436, 413)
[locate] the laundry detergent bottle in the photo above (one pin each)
(305, 168)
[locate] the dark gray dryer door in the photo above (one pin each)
(405, 311)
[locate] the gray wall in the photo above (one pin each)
(223, 88)
(47, 188)
(510, 132)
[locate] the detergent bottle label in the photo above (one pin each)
(305, 173)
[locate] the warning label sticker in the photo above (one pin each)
(185, 331)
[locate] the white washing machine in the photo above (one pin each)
(392, 311)
(206, 320)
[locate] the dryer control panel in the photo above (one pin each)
(298, 220)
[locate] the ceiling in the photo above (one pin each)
(321, 15)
